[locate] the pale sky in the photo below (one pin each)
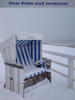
(57, 24)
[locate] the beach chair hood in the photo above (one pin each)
(23, 49)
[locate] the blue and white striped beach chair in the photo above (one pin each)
(28, 54)
(22, 54)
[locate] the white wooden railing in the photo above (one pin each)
(70, 66)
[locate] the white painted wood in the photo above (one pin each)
(41, 50)
(64, 44)
(66, 76)
(6, 76)
(21, 79)
(16, 80)
(33, 50)
(36, 51)
(59, 63)
(59, 54)
(29, 36)
(69, 66)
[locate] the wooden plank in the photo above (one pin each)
(64, 44)
(59, 63)
(59, 54)
(66, 76)
(14, 65)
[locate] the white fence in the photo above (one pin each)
(70, 66)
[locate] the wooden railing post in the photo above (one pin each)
(70, 73)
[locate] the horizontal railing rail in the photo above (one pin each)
(59, 54)
(64, 44)
(66, 76)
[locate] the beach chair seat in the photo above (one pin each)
(29, 73)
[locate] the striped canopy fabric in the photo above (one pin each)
(28, 52)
